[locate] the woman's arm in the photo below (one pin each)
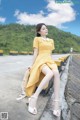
(35, 50)
(35, 55)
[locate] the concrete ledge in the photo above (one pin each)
(10, 89)
(47, 114)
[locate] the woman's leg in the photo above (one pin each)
(56, 110)
(23, 85)
(48, 75)
(56, 84)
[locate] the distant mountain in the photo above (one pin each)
(20, 38)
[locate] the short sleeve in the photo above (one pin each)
(53, 47)
(35, 42)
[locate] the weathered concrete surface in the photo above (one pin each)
(72, 92)
(47, 114)
(71, 101)
(12, 69)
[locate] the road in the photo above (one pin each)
(10, 64)
(12, 69)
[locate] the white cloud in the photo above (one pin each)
(16, 12)
(57, 15)
(2, 20)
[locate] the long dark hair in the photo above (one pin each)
(38, 27)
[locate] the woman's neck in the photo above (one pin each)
(43, 36)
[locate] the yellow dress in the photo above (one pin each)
(44, 57)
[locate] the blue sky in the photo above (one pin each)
(64, 15)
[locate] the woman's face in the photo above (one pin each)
(43, 31)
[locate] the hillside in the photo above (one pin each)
(20, 38)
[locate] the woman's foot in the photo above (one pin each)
(21, 96)
(32, 105)
(56, 110)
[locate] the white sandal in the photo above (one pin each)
(30, 109)
(56, 112)
(21, 97)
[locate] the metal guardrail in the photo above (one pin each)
(1, 52)
(14, 52)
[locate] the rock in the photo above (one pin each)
(72, 91)
(75, 110)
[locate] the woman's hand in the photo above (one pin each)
(30, 67)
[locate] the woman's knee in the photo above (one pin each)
(50, 73)
(47, 71)
(56, 73)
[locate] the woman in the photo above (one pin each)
(42, 70)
